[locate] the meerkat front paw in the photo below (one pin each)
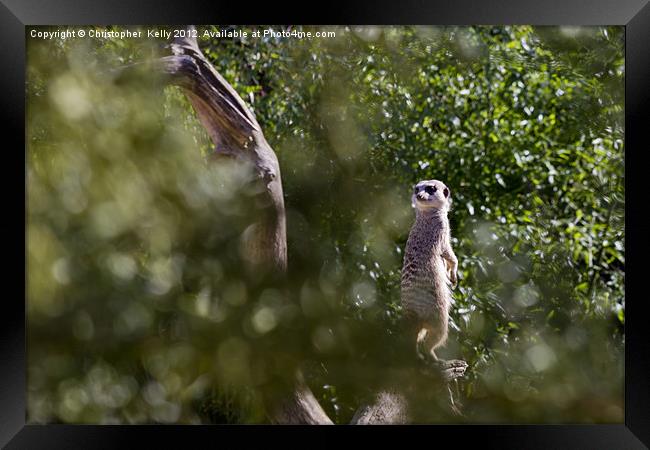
(453, 277)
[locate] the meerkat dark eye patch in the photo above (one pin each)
(430, 190)
(446, 192)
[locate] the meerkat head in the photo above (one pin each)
(431, 194)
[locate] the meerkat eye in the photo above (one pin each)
(446, 192)
(430, 190)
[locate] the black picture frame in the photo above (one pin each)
(15, 15)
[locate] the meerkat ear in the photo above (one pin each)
(447, 192)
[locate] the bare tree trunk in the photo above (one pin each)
(236, 133)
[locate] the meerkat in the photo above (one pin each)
(429, 272)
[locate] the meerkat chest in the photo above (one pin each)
(427, 240)
(426, 257)
(425, 248)
(432, 266)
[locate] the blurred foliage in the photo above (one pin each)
(139, 310)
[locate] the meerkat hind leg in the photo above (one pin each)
(422, 347)
(450, 369)
(426, 351)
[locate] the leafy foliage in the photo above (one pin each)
(138, 307)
